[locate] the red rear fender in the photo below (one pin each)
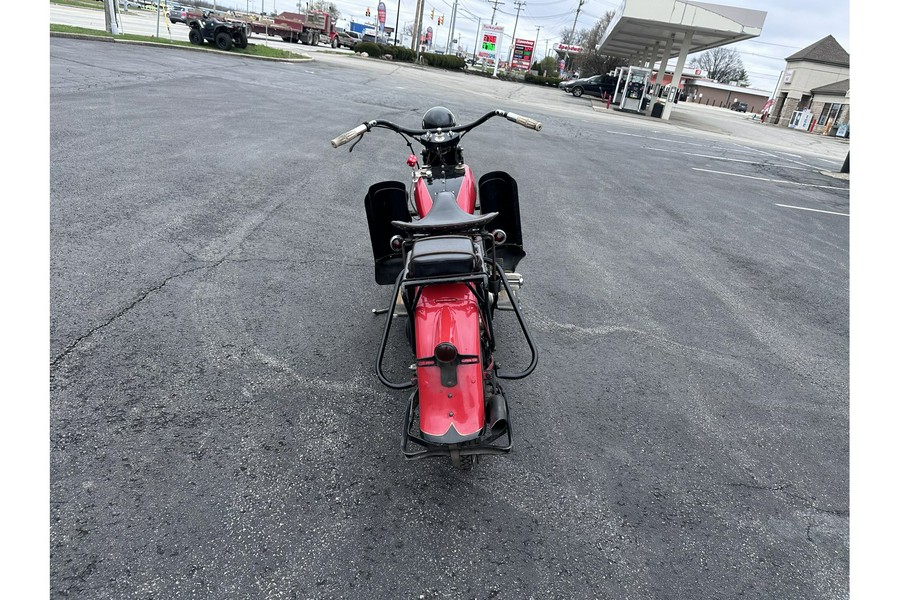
(448, 313)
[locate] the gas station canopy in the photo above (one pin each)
(639, 25)
(643, 32)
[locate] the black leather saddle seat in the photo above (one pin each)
(445, 216)
(442, 255)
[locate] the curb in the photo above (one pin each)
(834, 175)
(100, 38)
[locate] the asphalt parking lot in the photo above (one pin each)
(216, 429)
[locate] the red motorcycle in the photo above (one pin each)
(450, 251)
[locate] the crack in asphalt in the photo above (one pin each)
(208, 265)
(72, 346)
(838, 512)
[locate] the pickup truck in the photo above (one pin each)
(345, 38)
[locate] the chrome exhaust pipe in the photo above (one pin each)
(497, 415)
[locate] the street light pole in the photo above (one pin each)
(397, 24)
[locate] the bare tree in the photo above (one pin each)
(723, 65)
(590, 61)
(328, 7)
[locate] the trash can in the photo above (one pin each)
(644, 104)
(657, 110)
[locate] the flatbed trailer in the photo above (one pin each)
(306, 28)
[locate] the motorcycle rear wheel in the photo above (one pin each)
(463, 463)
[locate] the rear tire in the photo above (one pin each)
(463, 463)
(240, 40)
(195, 36)
(223, 41)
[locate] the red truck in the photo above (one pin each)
(308, 28)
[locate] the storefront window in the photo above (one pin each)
(830, 112)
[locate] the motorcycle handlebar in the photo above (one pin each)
(525, 121)
(350, 135)
(358, 131)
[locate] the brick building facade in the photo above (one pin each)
(816, 79)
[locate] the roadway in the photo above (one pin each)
(216, 427)
(144, 22)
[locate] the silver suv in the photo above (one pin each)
(178, 14)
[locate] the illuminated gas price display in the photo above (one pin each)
(490, 41)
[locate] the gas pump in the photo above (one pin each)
(634, 88)
(619, 74)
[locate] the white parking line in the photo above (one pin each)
(673, 141)
(659, 139)
(813, 210)
(749, 162)
(826, 187)
(784, 153)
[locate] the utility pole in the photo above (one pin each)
(452, 25)
(420, 13)
(111, 11)
(536, 37)
(397, 25)
(512, 46)
(496, 3)
(578, 10)
(415, 29)
(477, 40)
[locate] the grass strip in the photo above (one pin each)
(250, 50)
(92, 4)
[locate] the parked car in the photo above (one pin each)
(598, 85)
(178, 14)
(739, 106)
(381, 40)
(347, 39)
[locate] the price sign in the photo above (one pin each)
(490, 41)
(522, 51)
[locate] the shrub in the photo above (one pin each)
(444, 61)
(401, 53)
(370, 48)
(553, 81)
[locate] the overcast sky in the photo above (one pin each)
(790, 25)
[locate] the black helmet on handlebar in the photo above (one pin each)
(438, 117)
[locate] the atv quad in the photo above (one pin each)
(224, 34)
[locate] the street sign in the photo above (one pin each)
(382, 15)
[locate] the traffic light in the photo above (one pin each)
(368, 13)
(441, 20)
(432, 14)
